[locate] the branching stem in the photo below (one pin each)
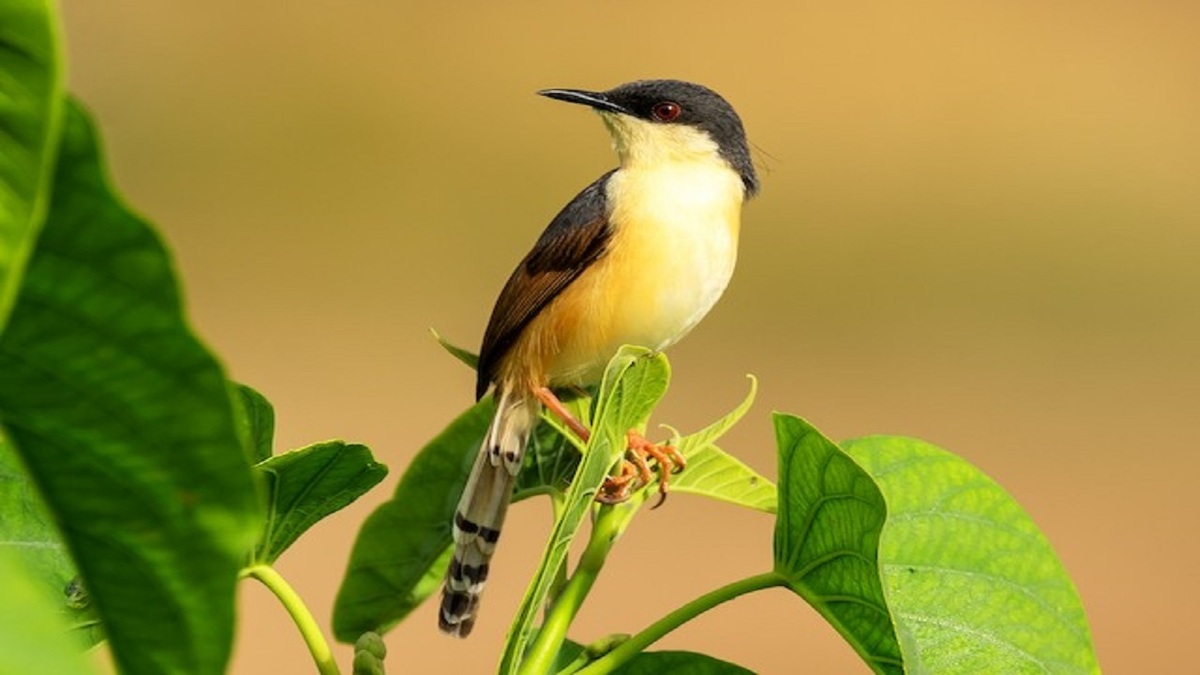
(607, 528)
(303, 619)
(636, 644)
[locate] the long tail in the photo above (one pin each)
(480, 514)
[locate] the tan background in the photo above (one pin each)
(980, 225)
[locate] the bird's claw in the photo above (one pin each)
(635, 470)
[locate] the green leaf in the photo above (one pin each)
(572, 656)
(973, 584)
(827, 540)
(471, 359)
(567, 655)
(399, 556)
(550, 462)
(257, 421)
(711, 472)
(402, 550)
(29, 535)
(634, 381)
(30, 116)
(306, 485)
(33, 635)
(125, 423)
(655, 663)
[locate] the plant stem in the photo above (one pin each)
(303, 619)
(608, 526)
(558, 501)
(593, 652)
(634, 645)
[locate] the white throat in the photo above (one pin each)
(640, 143)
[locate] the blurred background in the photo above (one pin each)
(979, 225)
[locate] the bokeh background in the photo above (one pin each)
(980, 225)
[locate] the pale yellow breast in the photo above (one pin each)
(672, 255)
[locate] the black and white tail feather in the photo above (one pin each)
(480, 514)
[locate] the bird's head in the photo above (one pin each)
(655, 121)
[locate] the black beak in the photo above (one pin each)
(594, 99)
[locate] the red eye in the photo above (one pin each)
(666, 111)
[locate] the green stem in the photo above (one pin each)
(636, 644)
(593, 652)
(558, 502)
(300, 615)
(608, 527)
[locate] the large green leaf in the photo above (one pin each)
(399, 556)
(30, 114)
(28, 534)
(125, 423)
(972, 583)
(634, 381)
(305, 485)
(827, 540)
(33, 634)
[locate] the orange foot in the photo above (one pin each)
(617, 489)
(635, 471)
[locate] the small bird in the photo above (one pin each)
(638, 257)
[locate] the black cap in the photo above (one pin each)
(675, 102)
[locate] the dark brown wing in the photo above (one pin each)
(576, 238)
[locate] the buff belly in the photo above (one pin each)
(672, 255)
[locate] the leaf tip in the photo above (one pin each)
(467, 357)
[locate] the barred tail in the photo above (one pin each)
(481, 510)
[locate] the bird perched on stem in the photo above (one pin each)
(638, 257)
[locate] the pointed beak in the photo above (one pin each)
(594, 99)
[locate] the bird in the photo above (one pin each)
(638, 257)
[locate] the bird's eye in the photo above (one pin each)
(666, 111)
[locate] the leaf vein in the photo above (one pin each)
(1004, 581)
(983, 636)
